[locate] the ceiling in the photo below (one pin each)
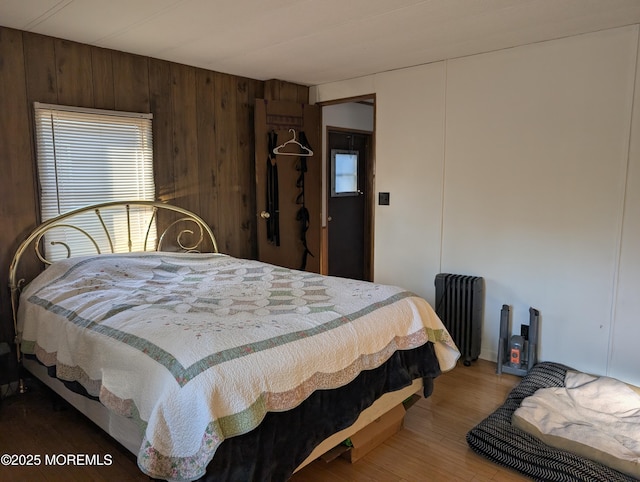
(313, 42)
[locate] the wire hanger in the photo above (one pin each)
(306, 151)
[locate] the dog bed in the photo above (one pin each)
(498, 440)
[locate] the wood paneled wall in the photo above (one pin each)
(202, 127)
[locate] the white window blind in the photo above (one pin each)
(88, 156)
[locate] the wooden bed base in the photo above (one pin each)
(381, 406)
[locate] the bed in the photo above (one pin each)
(198, 362)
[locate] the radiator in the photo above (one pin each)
(460, 306)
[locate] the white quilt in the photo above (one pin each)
(595, 417)
(198, 347)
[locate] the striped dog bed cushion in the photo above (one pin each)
(498, 440)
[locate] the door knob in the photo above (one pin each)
(265, 215)
(329, 218)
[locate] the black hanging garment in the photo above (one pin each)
(303, 213)
(273, 221)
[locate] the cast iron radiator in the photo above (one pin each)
(460, 306)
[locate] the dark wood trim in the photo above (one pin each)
(370, 179)
(17, 184)
(73, 72)
(275, 89)
(357, 99)
(104, 95)
(131, 82)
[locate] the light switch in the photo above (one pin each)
(383, 198)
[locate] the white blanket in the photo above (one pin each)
(199, 347)
(595, 417)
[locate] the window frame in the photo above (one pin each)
(334, 173)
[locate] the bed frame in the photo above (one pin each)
(181, 230)
(179, 225)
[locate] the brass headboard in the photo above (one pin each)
(177, 230)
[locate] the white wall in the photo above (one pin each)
(516, 165)
(409, 162)
(537, 140)
(349, 115)
(624, 349)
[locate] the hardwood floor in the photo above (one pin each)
(430, 447)
(432, 444)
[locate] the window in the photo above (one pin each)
(88, 156)
(344, 169)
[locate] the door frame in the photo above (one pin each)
(369, 215)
